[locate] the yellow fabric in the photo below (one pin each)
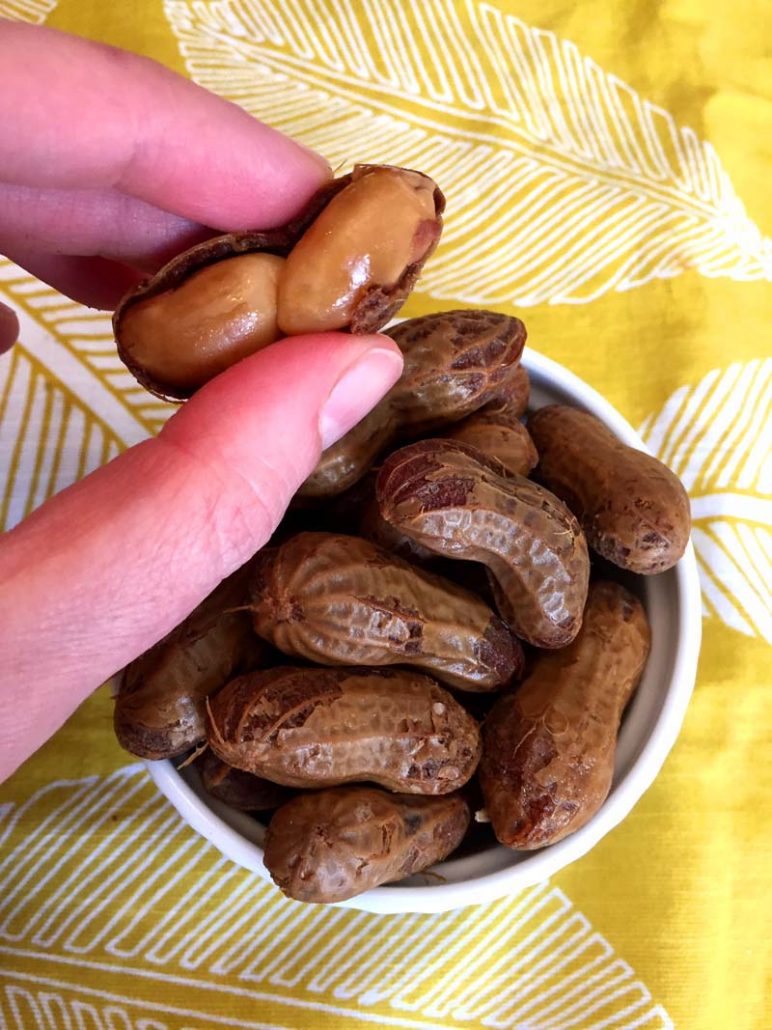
(113, 913)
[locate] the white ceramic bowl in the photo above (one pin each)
(648, 732)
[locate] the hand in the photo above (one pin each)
(106, 169)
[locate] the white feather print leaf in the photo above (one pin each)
(717, 436)
(563, 182)
(48, 437)
(112, 908)
(67, 403)
(34, 11)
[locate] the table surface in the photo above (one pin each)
(647, 273)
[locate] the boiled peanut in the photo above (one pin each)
(159, 709)
(350, 264)
(357, 262)
(452, 499)
(634, 510)
(548, 747)
(340, 600)
(513, 397)
(374, 527)
(195, 286)
(320, 727)
(186, 335)
(455, 362)
(343, 464)
(335, 844)
(499, 437)
(236, 788)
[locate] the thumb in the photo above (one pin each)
(9, 328)
(107, 567)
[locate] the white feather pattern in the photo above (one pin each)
(562, 182)
(34, 11)
(717, 437)
(67, 403)
(115, 915)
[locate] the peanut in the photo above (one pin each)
(321, 727)
(358, 260)
(335, 844)
(633, 509)
(512, 399)
(159, 709)
(238, 789)
(496, 435)
(347, 461)
(454, 501)
(352, 257)
(188, 334)
(548, 747)
(455, 362)
(374, 527)
(339, 600)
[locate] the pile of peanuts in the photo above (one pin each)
(437, 628)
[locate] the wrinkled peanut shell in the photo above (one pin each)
(498, 437)
(340, 600)
(335, 844)
(305, 727)
(455, 501)
(455, 362)
(377, 530)
(347, 461)
(513, 397)
(238, 789)
(159, 708)
(633, 509)
(548, 747)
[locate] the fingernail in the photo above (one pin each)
(358, 390)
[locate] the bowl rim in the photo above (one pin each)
(539, 865)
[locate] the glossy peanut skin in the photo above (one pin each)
(335, 844)
(238, 789)
(174, 274)
(181, 267)
(370, 311)
(219, 315)
(455, 362)
(548, 747)
(634, 510)
(359, 259)
(159, 708)
(340, 600)
(306, 727)
(453, 500)
(500, 437)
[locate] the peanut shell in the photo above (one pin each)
(335, 844)
(306, 727)
(548, 747)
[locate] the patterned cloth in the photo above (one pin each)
(605, 166)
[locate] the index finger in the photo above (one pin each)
(78, 114)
